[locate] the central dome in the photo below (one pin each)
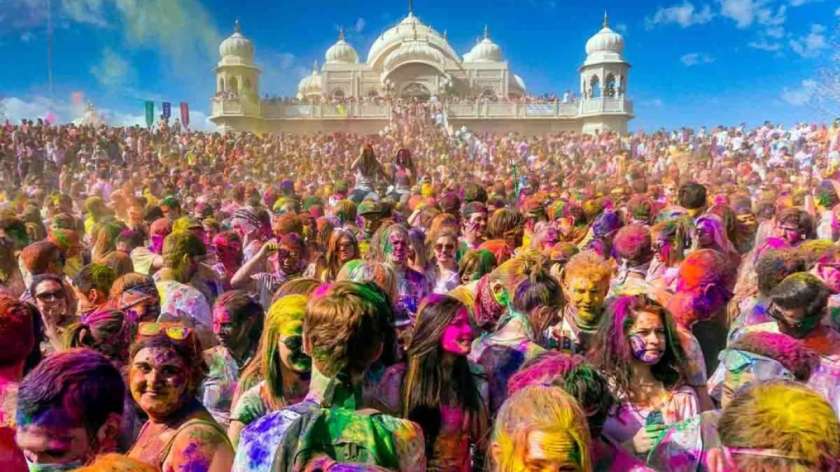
(409, 29)
(341, 52)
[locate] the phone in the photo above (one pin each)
(654, 418)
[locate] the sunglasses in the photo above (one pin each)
(50, 296)
(173, 331)
(294, 343)
(444, 247)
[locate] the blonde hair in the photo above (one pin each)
(588, 264)
(543, 409)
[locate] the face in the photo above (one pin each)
(793, 321)
(290, 348)
(661, 246)
(747, 221)
(476, 225)
(790, 233)
(550, 452)
(230, 333)
(445, 249)
(396, 250)
(55, 444)
(587, 296)
(158, 380)
(346, 249)
(458, 336)
(371, 224)
(288, 259)
(704, 234)
(51, 301)
(647, 337)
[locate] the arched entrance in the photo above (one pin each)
(417, 91)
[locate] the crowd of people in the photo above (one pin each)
(419, 299)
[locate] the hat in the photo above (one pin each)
(369, 207)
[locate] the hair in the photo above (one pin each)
(476, 261)
(345, 211)
(702, 267)
(426, 385)
(774, 265)
(378, 273)
(189, 350)
(284, 316)
(82, 383)
(502, 222)
(331, 262)
(538, 408)
(633, 243)
(588, 264)
(674, 229)
(119, 262)
(382, 238)
(113, 462)
(241, 306)
(297, 286)
(105, 238)
(692, 196)
(108, 332)
(539, 289)
(38, 256)
(177, 247)
(611, 352)
(347, 327)
(786, 417)
(802, 290)
(576, 376)
(800, 218)
(785, 350)
(95, 276)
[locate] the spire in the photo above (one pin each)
(486, 32)
(445, 35)
(341, 33)
(315, 66)
(236, 27)
(606, 23)
(410, 7)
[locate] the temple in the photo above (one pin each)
(412, 60)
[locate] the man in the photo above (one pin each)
(69, 410)
(474, 226)
(91, 287)
(344, 332)
(586, 280)
(182, 253)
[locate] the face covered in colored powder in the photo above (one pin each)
(458, 336)
(346, 249)
(647, 337)
(662, 246)
(55, 443)
(793, 321)
(290, 348)
(396, 248)
(551, 452)
(704, 234)
(587, 296)
(476, 225)
(231, 332)
(158, 379)
(829, 273)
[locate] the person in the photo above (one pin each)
(412, 286)
(342, 247)
(692, 197)
(344, 331)
(137, 296)
(276, 262)
(632, 247)
(438, 388)
(11, 279)
(164, 374)
(637, 349)
(778, 425)
(237, 322)
(367, 170)
(182, 252)
(540, 428)
(54, 304)
(69, 409)
(91, 287)
(586, 281)
(40, 257)
(444, 271)
(474, 225)
(591, 390)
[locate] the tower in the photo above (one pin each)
(603, 82)
(236, 75)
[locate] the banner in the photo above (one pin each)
(150, 114)
(185, 114)
(167, 110)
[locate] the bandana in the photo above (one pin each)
(487, 309)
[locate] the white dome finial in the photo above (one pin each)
(606, 23)
(341, 33)
(410, 8)
(486, 32)
(236, 27)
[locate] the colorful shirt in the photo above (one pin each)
(251, 405)
(684, 446)
(216, 392)
(183, 301)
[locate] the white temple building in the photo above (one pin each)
(413, 60)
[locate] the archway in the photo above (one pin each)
(594, 87)
(416, 90)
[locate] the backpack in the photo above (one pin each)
(343, 434)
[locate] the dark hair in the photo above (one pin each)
(37, 279)
(774, 265)
(95, 276)
(189, 350)
(81, 382)
(800, 218)
(241, 306)
(692, 196)
(539, 289)
(425, 386)
(802, 290)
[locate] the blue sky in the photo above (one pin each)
(694, 62)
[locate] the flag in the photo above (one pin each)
(185, 114)
(167, 110)
(150, 113)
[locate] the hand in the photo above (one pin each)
(646, 438)
(269, 247)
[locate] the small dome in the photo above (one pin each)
(414, 50)
(484, 51)
(605, 40)
(341, 52)
(311, 84)
(516, 82)
(237, 46)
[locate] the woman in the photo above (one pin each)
(444, 273)
(52, 298)
(709, 233)
(668, 242)
(137, 296)
(404, 168)
(341, 248)
(107, 331)
(165, 372)
(366, 169)
(278, 375)
(637, 349)
(439, 388)
(475, 264)
(540, 428)
(276, 262)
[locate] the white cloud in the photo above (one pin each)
(776, 32)
(112, 71)
(765, 45)
(801, 95)
(837, 12)
(684, 14)
(811, 44)
(696, 58)
(27, 36)
(359, 26)
(799, 3)
(747, 12)
(85, 11)
(653, 103)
